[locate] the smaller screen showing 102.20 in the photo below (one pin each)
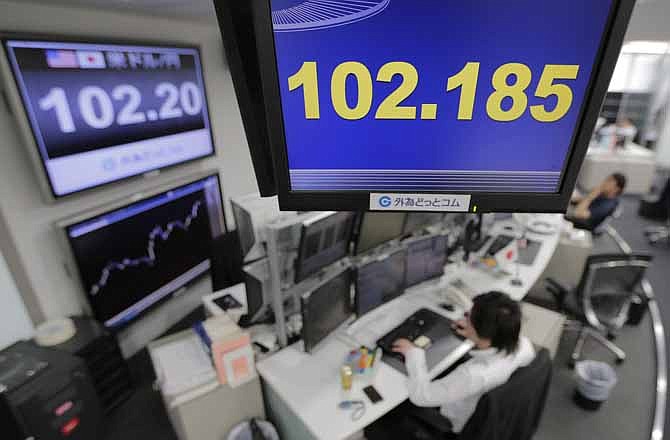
(100, 113)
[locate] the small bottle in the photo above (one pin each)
(347, 377)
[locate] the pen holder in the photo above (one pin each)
(364, 375)
(369, 374)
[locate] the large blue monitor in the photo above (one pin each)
(434, 105)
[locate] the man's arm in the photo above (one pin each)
(422, 392)
(582, 211)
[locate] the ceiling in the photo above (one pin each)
(649, 19)
(201, 10)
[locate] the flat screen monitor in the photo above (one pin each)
(419, 220)
(377, 228)
(434, 105)
(252, 214)
(325, 309)
(102, 112)
(426, 257)
(324, 240)
(245, 227)
(131, 258)
(379, 281)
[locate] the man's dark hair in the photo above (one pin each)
(497, 317)
(620, 180)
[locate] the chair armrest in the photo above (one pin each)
(558, 291)
(432, 418)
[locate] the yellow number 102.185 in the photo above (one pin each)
(510, 83)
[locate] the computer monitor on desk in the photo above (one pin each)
(325, 239)
(426, 258)
(325, 308)
(252, 214)
(377, 228)
(379, 281)
(416, 221)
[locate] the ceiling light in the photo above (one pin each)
(650, 47)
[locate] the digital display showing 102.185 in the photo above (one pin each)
(433, 96)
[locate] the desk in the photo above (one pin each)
(637, 163)
(302, 391)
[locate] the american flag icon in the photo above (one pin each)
(62, 59)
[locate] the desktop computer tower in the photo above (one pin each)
(46, 394)
(100, 351)
(227, 261)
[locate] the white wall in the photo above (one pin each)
(27, 237)
(14, 321)
(650, 21)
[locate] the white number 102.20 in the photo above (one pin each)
(96, 106)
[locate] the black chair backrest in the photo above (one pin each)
(615, 276)
(609, 270)
(513, 410)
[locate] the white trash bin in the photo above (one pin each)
(595, 381)
(243, 431)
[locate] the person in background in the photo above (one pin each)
(619, 134)
(590, 211)
(494, 326)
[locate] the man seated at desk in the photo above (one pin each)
(592, 210)
(493, 325)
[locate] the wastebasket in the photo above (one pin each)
(263, 430)
(595, 381)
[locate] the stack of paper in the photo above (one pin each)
(182, 366)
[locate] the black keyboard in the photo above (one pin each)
(422, 323)
(500, 243)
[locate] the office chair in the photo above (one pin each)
(657, 234)
(602, 227)
(601, 301)
(511, 411)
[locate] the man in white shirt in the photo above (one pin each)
(493, 325)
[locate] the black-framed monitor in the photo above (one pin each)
(379, 281)
(377, 228)
(132, 257)
(418, 120)
(417, 221)
(245, 227)
(98, 112)
(426, 258)
(324, 240)
(325, 308)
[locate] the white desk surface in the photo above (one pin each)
(309, 384)
(631, 151)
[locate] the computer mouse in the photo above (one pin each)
(448, 307)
